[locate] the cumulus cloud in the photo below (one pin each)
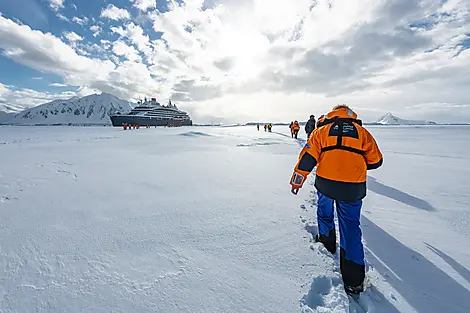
(72, 36)
(114, 13)
(121, 49)
(47, 53)
(63, 17)
(96, 29)
(56, 4)
(17, 99)
(224, 57)
(135, 34)
(334, 51)
(145, 5)
(58, 85)
(80, 21)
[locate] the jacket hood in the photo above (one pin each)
(342, 113)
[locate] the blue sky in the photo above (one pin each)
(41, 16)
(239, 60)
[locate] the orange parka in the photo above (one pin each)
(343, 151)
(296, 126)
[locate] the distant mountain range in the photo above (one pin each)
(89, 110)
(390, 119)
(387, 119)
(96, 108)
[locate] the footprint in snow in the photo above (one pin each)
(326, 294)
(4, 199)
(67, 173)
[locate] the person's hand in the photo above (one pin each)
(295, 190)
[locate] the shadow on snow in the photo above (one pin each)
(398, 195)
(425, 287)
(462, 270)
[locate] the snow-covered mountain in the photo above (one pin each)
(11, 109)
(90, 110)
(7, 111)
(4, 116)
(390, 119)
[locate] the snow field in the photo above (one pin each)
(201, 219)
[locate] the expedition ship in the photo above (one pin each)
(152, 113)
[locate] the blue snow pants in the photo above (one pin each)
(349, 214)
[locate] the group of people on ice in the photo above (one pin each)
(309, 127)
(267, 127)
(342, 151)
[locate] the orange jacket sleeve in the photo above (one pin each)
(308, 159)
(374, 157)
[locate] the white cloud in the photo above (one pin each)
(114, 13)
(56, 4)
(136, 35)
(63, 17)
(72, 36)
(94, 48)
(129, 52)
(144, 5)
(48, 53)
(106, 44)
(58, 85)
(96, 29)
(80, 21)
(24, 97)
(255, 56)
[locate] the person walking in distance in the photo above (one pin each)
(310, 125)
(295, 129)
(343, 151)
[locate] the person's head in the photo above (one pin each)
(341, 106)
(345, 107)
(312, 117)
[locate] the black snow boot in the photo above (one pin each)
(354, 291)
(353, 275)
(328, 241)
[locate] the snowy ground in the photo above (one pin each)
(202, 220)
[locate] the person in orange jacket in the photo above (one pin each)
(343, 151)
(295, 128)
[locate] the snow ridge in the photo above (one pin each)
(94, 109)
(8, 108)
